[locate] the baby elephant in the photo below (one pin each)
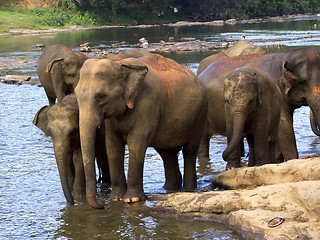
(61, 123)
(253, 102)
(58, 70)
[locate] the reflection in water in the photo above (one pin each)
(32, 202)
(133, 221)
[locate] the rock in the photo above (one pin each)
(14, 79)
(270, 174)
(85, 47)
(38, 47)
(290, 190)
(188, 39)
(231, 21)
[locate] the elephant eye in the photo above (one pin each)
(101, 98)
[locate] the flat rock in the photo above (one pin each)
(288, 190)
(16, 79)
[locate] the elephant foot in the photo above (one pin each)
(117, 193)
(173, 184)
(232, 165)
(190, 187)
(133, 196)
(262, 163)
(94, 204)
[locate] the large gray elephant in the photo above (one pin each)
(297, 74)
(253, 102)
(58, 70)
(238, 49)
(61, 123)
(132, 53)
(149, 101)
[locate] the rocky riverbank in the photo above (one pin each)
(275, 201)
(177, 24)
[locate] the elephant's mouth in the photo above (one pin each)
(297, 98)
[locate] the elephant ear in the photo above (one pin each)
(289, 77)
(41, 119)
(295, 68)
(134, 71)
(50, 64)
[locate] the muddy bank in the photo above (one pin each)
(289, 192)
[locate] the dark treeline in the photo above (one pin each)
(199, 10)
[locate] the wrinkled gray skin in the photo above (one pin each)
(149, 101)
(297, 74)
(253, 102)
(58, 70)
(61, 123)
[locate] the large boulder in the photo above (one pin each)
(288, 190)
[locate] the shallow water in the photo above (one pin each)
(32, 202)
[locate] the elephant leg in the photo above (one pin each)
(137, 150)
(286, 136)
(104, 170)
(79, 185)
(273, 151)
(203, 152)
(102, 160)
(189, 176)
(261, 145)
(171, 168)
(278, 155)
(115, 150)
(242, 147)
(252, 157)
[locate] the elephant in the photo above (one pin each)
(296, 73)
(132, 53)
(252, 107)
(145, 102)
(61, 123)
(238, 49)
(58, 70)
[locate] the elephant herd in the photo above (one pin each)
(146, 100)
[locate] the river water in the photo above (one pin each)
(32, 204)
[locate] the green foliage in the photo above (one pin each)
(51, 19)
(110, 12)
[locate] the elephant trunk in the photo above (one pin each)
(237, 133)
(314, 126)
(61, 154)
(88, 127)
(314, 104)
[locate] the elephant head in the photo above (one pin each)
(242, 94)
(106, 89)
(301, 82)
(65, 73)
(61, 123)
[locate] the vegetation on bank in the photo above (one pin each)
(127, 12)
